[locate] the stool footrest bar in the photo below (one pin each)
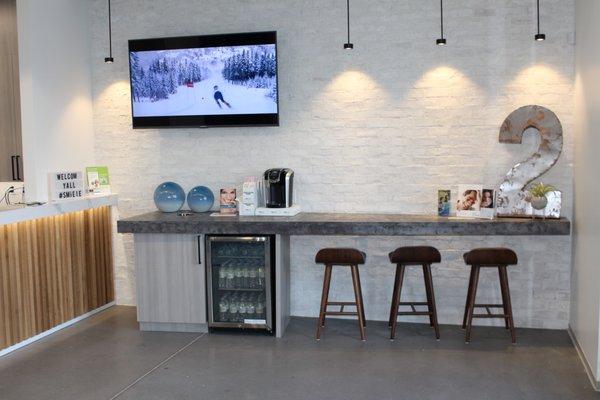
(415, 313)
(490, 316)
(340, 313)
(489, 305)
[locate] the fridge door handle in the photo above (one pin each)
(237, 238)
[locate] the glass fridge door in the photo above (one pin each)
(239, 280)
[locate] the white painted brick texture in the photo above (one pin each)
(377, 129)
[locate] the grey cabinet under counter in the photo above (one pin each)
(170, 280)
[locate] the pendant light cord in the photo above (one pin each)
(538, 15)
(348, 18)
(109, 31)
(442, 17)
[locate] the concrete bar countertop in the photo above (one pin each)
(341, 224)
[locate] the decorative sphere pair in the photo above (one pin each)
(170, 197)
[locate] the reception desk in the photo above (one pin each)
(56, 267)
(170, 255)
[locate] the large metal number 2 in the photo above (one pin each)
(511, 196)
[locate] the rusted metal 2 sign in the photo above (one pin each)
(511, 200)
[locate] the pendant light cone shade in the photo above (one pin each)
(348, 45)
(441, 41)
(539, 37)
(110, 58)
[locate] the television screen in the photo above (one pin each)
(217, 80)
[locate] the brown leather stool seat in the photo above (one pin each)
(491, 256)
(496, 258)
(342, 257)
(414, 255)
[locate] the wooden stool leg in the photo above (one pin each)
(432, 307)
(396, 301)
(503, 297)
(427, 292)
(471, 307)
(395, 292)
(324, 300)
(362, 302)
(464, 324)
(507, 304)
(360, 311)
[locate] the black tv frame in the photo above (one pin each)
(205, 121)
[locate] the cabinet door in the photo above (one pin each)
(10, 103)
(170, 279)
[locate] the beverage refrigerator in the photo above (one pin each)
(240, 282)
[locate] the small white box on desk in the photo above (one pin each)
(278, 212)
(245, 209)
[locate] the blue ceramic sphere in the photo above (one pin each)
(169, 197)
(200, 199)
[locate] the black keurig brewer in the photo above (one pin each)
(279, 184)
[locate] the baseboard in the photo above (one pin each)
(57, 328)
(584, 361)
(172, 327)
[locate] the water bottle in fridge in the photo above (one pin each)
(223, 276)
(251, 307)
(260, 308)
(246, 277)
(252, 277)
(233, 309)
(239, 276)
(230, 282)
(224, 309)
(261, 277)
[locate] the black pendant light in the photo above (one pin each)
(110, 58)
(441, 41)
(348, 45)
(540, 37)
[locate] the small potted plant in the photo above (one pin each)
(537, 195)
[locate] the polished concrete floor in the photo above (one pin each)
(106, 357)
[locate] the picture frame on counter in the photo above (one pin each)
(98, 181)
(227, 201)
(65, 185)
(444, 202)
(475, 201)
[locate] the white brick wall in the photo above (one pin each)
(380, 128)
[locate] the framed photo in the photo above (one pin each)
(444, 203)
(488, 203)
(227, 201)
(469, 200)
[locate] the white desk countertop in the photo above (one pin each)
(10, 216)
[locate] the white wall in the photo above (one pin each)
(585, 299)
(377, 129)
(55, 73)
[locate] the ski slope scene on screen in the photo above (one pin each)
(204, 81)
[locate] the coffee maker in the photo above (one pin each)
(278, 186)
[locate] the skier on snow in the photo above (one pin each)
(219, 97)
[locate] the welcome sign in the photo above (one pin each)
(65, 185)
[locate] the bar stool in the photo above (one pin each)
(341, 257)
(489, 257)
(406, 256)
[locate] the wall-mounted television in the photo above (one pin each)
(204, 81)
